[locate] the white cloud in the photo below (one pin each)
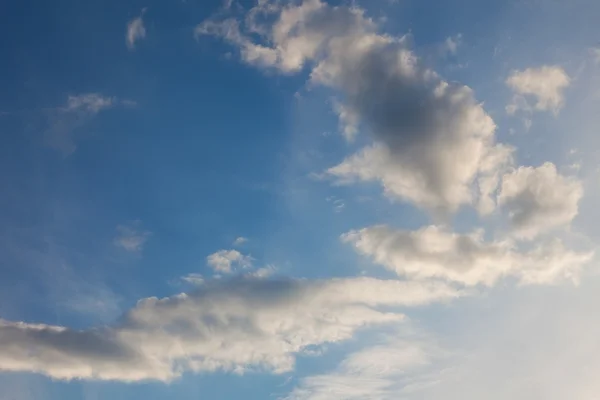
(435, 253)
(225, 261)
(539, 199)
(136, 30)
(131, 238)
(240, 241)
(431, 136)
(381, 372)
(239, 325)
(546, 84)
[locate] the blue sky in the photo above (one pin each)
(299, 200)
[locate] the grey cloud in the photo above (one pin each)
(539, 199)
(236, 325)
(434, 134)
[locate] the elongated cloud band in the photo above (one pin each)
(237, 325)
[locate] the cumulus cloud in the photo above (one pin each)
(431, 136)
(433, 252)
(545, 84)
(75, 113)
(238, 325)
(136, 31)
(131, 237)
(539, 199)
(226, 261)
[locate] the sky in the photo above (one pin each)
(299, 200)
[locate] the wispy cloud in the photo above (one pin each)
(452, 43)
(240, 241)
(263, 272)
(194, 279)
(131, 237)
(387, 370)
(338, 204)
(90, 102)
(78, 110)
(136, 30)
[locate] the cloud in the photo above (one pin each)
(595, 54)
(381, 372)
(131, 238)
(229, 29)
(224, 261)
(240, 241)
(432, 136)
(136, 31)
(236, 325)
(431, 142)
(78, 110)
(545, 84)
(338, 204)
(433, 252)
(380, 163)
(539, 199)
(263, 272)
(540, 345)
(348, 121)
(452, 43)
(194, 279)
(90, 102)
